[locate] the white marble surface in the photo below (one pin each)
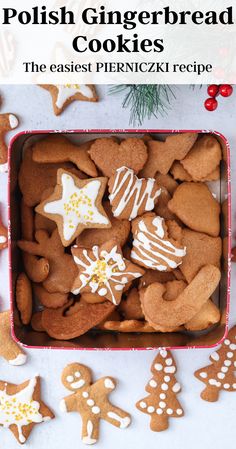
(205, 424)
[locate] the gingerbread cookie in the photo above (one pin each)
(195, 206)
(56, 148)
(50, 300)
(161, 402)
(62, 270)
(127, 326)
(8, 122)
(179, 173)
(203, 158)
(64, 94)
(75, 205)
(3, 236)
(119, 231)
(91, 401)
(161, 208)
(103, 270)
(208, 315)
(168, 314)
(151, 276)
(109, 155)
(21, 407)
(24, 298)
(152, 247)
(131, 196)
(220, 374)
(130, 308)
(9, 349)
(167, 182)
(161, 155)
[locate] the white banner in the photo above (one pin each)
(118, 42)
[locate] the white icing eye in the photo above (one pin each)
(77, 374)
(70, 379)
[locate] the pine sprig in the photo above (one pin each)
(145, 100)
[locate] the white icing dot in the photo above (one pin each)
(220, 375)
(159, 411)
(119, 287)
(102, 291)
(224, 369)
(226, 386)
(169, 411)
(153, 383)
(96, 410)
(203, 375)
(176, 388)
(169, 361)
(163, 353)
(227, 342)
(179, 411)
(158, 366)
(85, 394)
(143, 404)
(214, 382)
(170, 369)
(13, 120)
(164, 387)
(234, 386)
(70, 378)
(162, 404)
(3, 239)
(232, 347)
(162, 396)
(77, 374)
(151, 409)
(235, 363)
(227, 362)
(230, 355)
(90, 402)
(167, 378)
(109, 384)
(215, 356)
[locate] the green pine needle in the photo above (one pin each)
(145, 100)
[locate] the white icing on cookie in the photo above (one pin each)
(80, 383)
(67, 91)
(133, 186)
(77, 205)
(19, 360)
(3, 239)
(109, 384)
(153, 250)
(88, 438)
(62, 406)
(4, 168)
(13, 120)
(124, 422)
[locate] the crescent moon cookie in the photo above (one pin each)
(21, 407)
(104, 271)
(131, 196)
(152, 247)
(64, 94)
(8, 122)
(75, 205)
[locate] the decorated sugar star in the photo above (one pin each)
(103, 271)
(75, 205)
(64, 94)
(9, 349)
(21, 407)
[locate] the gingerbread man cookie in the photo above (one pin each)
(64, 94)
(8, 122)
(91, 401)
(75, 205)
(9, 350)
(21, 407)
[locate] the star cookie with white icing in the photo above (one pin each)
(220, 374)
(91, 401)
(9, 349)
(64, 94)
(3, 236)
(21, 407)
(8, 122)
(103, 270)
(162, 403)
(75, 205)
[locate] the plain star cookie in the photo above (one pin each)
(91, 401)
(21, 407)
(8, 122)
(75, 205)
(162, 403)
(64, 94)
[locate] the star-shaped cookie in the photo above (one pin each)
(75, 205)
(21, 407)
(9, 349)
(64, 94)
(104, 271)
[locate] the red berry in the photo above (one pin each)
(226, 90)
(213, 90)
(211, 104)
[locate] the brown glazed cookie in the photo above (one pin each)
(195, 206)
(161, 155)
(64, 94)
(109, 155)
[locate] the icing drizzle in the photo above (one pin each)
(138, 192)
(68, 90)
(77, 205)
(152, 250)
(20, 409)
(104, 273)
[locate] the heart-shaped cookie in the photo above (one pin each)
(109, 155)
